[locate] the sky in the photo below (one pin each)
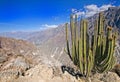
(34, 15)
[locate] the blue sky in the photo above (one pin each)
(30, 15)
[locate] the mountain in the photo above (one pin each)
(17, 46)
(18, 35)
(51, 42)
(21, 60)
(112, 18)
(37, 37)
(16, 55)
(112, 15)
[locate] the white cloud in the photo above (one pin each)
(91, 7)
(77, 12)
(80, 13)
(90, 10)
(74, 10)
(49, 26)
(105, 7)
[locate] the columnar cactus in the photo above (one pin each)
(99, 53)
(80, 54)
(103, 46)
(85, 53)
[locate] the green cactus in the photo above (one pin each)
(103, 46)
(80, 54)
(98, 54)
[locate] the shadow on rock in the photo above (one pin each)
(71, 71)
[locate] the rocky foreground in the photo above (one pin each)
(44, 73)
(21, 61)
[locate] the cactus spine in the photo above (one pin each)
(100, 54)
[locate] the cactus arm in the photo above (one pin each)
(76, 40)
(67, 41)
(81, 48)
(72, 38)
(84, 45)
(80, 56)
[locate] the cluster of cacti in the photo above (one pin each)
(103, 46)
(98, 54)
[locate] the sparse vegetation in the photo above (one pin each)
(91, 54)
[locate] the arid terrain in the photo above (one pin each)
(39, 56)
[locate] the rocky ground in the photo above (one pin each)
(21, 61)
(45, 73)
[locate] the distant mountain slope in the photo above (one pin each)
(17, 35)
(16, 46)
(112, 16)
(37, 37)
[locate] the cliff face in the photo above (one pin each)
(112, 16)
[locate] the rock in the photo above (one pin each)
(112, 77)
(41, 70)
(43, 73)
(116, 69)
(9, 75)
(105, 77)
(3, 59)
(21, 63)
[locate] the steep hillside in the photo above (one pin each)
(16, 56)
(54, 47)
(17, 46)
(112, 18)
